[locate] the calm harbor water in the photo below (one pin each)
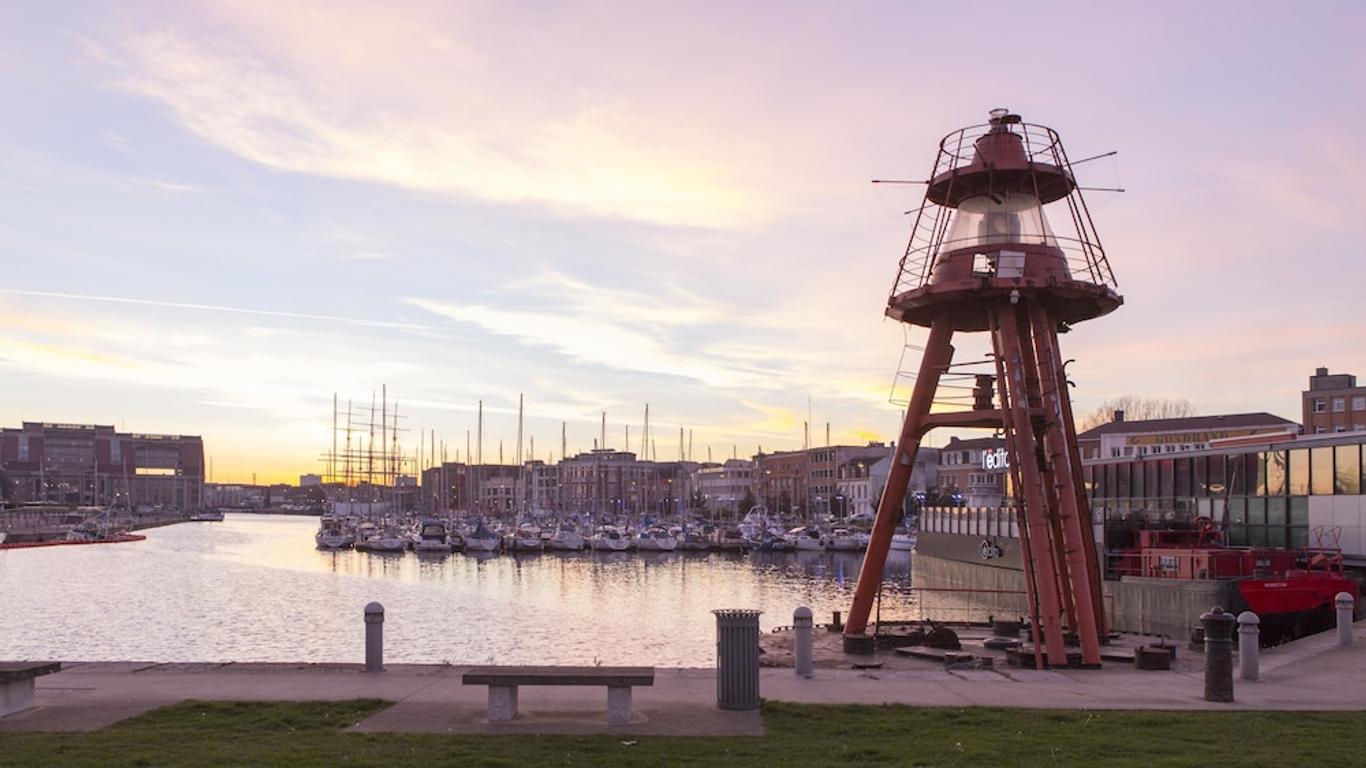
(253, 588)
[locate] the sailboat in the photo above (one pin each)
(565, 538)
(481, 539)
(332, 534)
(431, 536)
(609, 538)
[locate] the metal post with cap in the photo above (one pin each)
(374, 637)
(1218, 625)
(1249, 645)
(1345, 605)
(802, 625)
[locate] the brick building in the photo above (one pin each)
(1333, 403)
(975, 470)
(93, 465)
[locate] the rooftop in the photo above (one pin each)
(1221, 421)
(974, 444)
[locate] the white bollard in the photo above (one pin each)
(374, 637)
(1345, 604)
(801, 631)
(1249, 631)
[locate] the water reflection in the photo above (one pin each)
(254, 589)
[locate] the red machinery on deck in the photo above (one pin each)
(984, 257)
(1290, 590)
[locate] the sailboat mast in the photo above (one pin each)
(384, 433)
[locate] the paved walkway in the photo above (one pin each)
(1311, 674)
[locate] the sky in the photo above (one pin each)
(217, 215)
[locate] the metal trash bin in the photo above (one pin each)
(737, 659)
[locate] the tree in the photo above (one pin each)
(748, 503)
(1137, 408)
(7, 488)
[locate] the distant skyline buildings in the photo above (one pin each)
(219, 214)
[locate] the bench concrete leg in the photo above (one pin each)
(502, 703)
(618, 705)
(16, 696)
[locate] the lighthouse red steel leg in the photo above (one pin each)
(1083, 581)
(1026, 552)
(937, 357)
(1083, 502)
(1033, 394)
(1036, 517)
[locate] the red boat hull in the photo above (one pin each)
(1295, 593)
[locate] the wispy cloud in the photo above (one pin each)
(597, 341)
(170, 186)
(220, 308)
(602, 157)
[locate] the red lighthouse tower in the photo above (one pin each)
(983, 256)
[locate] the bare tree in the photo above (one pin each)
(1137, 408)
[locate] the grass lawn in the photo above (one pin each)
(308, 734)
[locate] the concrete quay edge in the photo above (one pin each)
(1311, 674)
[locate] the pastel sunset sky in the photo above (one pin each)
(216, 215)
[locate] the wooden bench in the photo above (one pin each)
(503, 683)
(16, 683)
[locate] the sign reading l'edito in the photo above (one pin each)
(996, 460)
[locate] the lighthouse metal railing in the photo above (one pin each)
(1042, 146)
(918, 265)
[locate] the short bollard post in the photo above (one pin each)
(374, 637)
(1218, 626)
(1345, 603)
(1249, 644)
(801, 633)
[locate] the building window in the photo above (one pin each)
(1299, 473)
(1359, 402)
(1347, 462)
(1319, 406)
(1339, 404)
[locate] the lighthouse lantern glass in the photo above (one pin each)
(1005, 218)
